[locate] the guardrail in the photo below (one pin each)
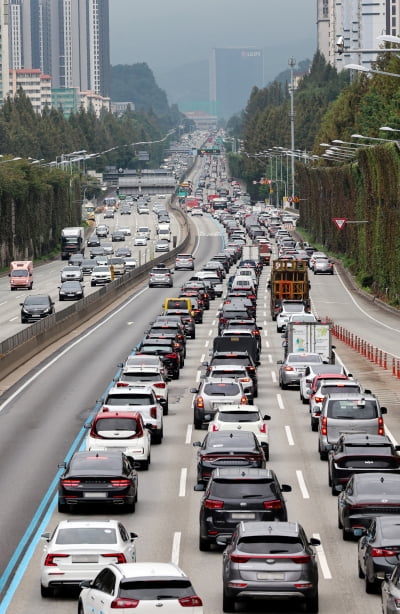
(22, 346)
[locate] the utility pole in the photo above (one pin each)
(292, 64)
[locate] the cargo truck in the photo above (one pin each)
(21, 274)
(310, 337)
(72, 242)
(289, 280)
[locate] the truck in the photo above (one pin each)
(21, 274)
(250, 252)
(72, 242)
(264, 249)
(191, 203)
(310, 337)
(289, 280)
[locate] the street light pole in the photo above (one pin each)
(292, 64)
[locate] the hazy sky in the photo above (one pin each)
(170, 33)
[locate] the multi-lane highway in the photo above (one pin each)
(42, 415)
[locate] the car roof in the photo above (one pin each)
(135, 389)
(351, 396)
(365, 439)
(148, 569)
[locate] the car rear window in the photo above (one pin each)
(116, 424)
(235, 489)
(157, 589)
(86, 535)
(129, 399)
(270, 544)
(139, 376)
(221, 389)
(329, 389)
(352, 409)
(304, 358)
(238, 416)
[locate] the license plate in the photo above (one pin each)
(270, 575)
(95, 495)
(85, 558)
(243, 516)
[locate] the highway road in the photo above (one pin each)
(42, 417)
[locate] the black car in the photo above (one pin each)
(197, 309)
(118, 235)
(226, 449)
(93, 241)
(97, 251)
(366, 496)
(235, 358)
(35, 307)
(360, 453)
(379, 551)
(163, 348)
(70, 291)
(88, 265)
(187, 320)
(231, 312)
(170, 335)
(200, 288)
(234, 494)
(98, 477)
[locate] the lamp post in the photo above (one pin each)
(360, 68)
(292, 64)
(389, 129)
(371, 138)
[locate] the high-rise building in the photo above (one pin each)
(4, 58)
(233, 74)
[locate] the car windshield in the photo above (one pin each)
(157, 589)
(238, 416)
(86, 535)
(20, 273)
(36, 300)
(129, 399)
(270, 544)
(222, 389)
(358, 409)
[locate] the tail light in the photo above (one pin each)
(256, 332)
(275, 504)
(222, 320)
(324, 426)
(50, 558)
(215, 427)
(122, 384)
(239, 558)
(70, 483)
(190, 602)
(252, 369)
(319, 399)
(263, 428)
(381, 428)
(173, 355)
(243, 400)
(120, 603)
(159, 385)
(116, 555)
(200, 403)
(383, 552)
(153, 412)
(212, 504)
(288, 368)
(121, 483)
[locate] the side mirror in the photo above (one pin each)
(86, 584)
(45, 536)
(279, 362)
(197, 444)
(383, 410)
(223, 540)
(87, 425)
(133, 535)
(314, 542)
(266, 417)
(286, 488)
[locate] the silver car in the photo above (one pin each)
(210, 394)
(72, 273)
(269, 560)
(293, 367)
(160, 277)
(323, 266)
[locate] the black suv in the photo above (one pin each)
(35, 307)
(226, 449)
(234, 494)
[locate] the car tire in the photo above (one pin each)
(166, 409)
(361, 574)
(176, 374)
(314, 425)
(304, 400)
(204, 544)
(266, 452)
(346, 535)
(145, 464)
(228, 603)
(197, 425)
(157, 437)
(131, 507)
(62, 507)
(312, 604)
(334, 490)
(92, 283)
(283, 386)
(46, 591)
(370, 587)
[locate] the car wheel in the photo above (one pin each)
(80, 608)
(165, 409)
(92, 283)
(339, 522)
(193, 336)
(228, 603)
(255, 393)
(284, 386)
(176, 374)
(197, 424)
(131, 507)
(46, 591)
(370, 587)
(304, 400)
(361, 574)
(346, 535)
(145, 464)
(204, 544)
(157, 437)
(312, 603)
(62, 507)
(266, 452)
(314, 425)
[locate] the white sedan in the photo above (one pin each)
(140, 240)
(244, 418)
(78, 549)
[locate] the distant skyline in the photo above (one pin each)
(174, 33)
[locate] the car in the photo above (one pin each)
(35, 307)
(378, 551)
(234, 358)
(72, 273)
(311, 371)
(75, 260)
(125, 210)
(102, 230)
(197, 211)
(288, 308)
(140, 586)
(90, 479)
(186, 318)
(109, 213)
(70, 291)
(323, 266)
(346, 413)
(161, 332)
(211, 394)
(96, 252)
(293, 367)
(123, 431)
(140, 241)
(164, 348)
(151, 375)
(144, 231)
(118, 235)
(108, 248)
(123, 252)
(269, 560)
(76, 550)
(315, 254)
(329, 386)
(142, 209)
(93, 241)
(126, 230)
(87, 266)
(101, 275)
(366, 496)
(227, 448)
(184, 261)
(130, 263)
(358, 453)
(144, 360)
(233, 311)
(117, 264)
(235, 494)
(390, 592)
(161, 245)
(243, 418)
(237, 373)
(139, 398)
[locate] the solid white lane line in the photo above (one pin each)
(273, 376)
(326, 572)
(182, 482)
(189, 432)
(302, 484)
(202, 358)
(280, 401)
(198, 374)
(289, 435)
(176, 544)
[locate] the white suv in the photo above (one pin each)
(100, 275)
(149, 375)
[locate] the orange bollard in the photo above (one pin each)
(393, 367)
(398, 369)
(385, 366)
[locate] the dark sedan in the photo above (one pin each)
(379, 551)
(102, 477)
(70, 291)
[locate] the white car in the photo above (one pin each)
(124, 431)
(140, 398)
(150, 375)
(143, 231)
(78, 549)
(126, 230)
(288, 309)
(197, 211)
(100, 275)
(143, 587)
(244, 418)
(140, 241)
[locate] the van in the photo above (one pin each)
(21, 274)
(348, 413)
(181, 302)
